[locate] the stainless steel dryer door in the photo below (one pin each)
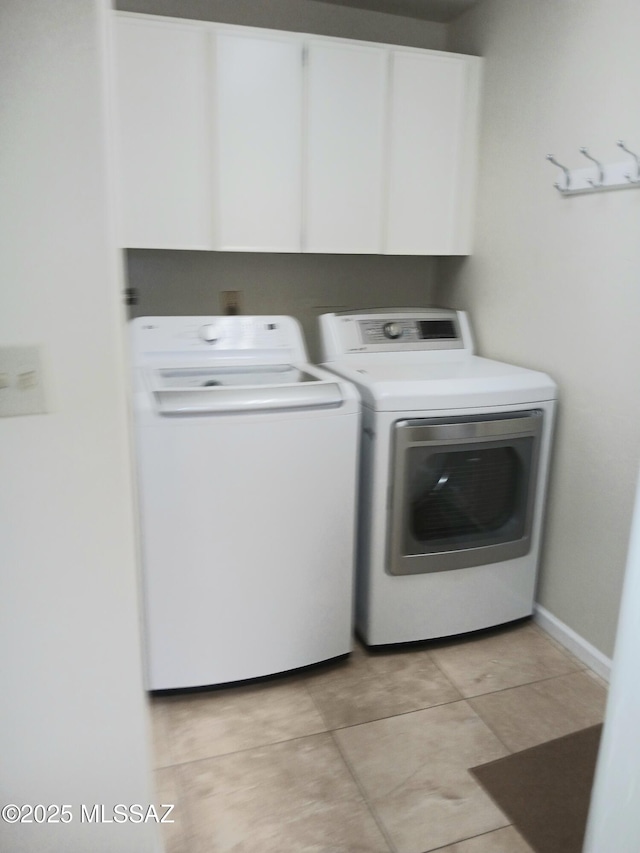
(462, 491)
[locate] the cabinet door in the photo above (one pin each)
(345, 136)
(432, 143)
(258, 142)
(164, 141)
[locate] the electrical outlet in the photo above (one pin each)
(230, 302)
(21, 385)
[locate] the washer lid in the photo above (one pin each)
(190, 390)
(462, 383)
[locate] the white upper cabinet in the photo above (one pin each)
(258, 146)
(164, 158)
(244, 139)
(346, 100)
(432, 144)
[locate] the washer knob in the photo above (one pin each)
(208, 333)
(392, 330)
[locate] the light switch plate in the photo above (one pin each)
(21, 381)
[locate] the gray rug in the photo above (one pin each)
(545, 791)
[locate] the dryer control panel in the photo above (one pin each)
(404, 330)
(394, 331)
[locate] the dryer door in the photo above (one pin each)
(463, 491)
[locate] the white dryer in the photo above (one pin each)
(454, 459)
(246, 460)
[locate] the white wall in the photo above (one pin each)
(72, 720)
(554, 283)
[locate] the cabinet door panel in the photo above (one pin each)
(164, 135)
(427, 153)
(345, 136)
(259, 142)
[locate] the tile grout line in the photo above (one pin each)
(505, 690)
(245, 749)
(378, 821)
(317, 707)
(444, 674)
(329, 730)
(524, 684)
(470, 838)
(399, 714)
(537, 629)
(512, 686)
(492, 730)
(460, 698)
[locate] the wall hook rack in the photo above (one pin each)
(600, 168)
(567, 174)
(599, 177)
(635, 180)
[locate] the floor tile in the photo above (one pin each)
(505, 840)
(529, 715)
(413, 770)
(507, 658)
(176, 835)
(370, 686)
(207, 724)
(293, 797)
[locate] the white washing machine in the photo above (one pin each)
(454, 459)
(246, 459)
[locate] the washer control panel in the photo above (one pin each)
(219, 337)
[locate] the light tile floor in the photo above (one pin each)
(367, 755)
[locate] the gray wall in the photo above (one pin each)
(555, 283)
(305, 16)
(304, 286)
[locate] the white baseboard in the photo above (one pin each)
(573, 642)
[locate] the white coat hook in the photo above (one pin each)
(567, 176)
(622, 175)
(635, 180)
(598, 164)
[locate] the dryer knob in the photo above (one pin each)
(392, 330)
(209, 333)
